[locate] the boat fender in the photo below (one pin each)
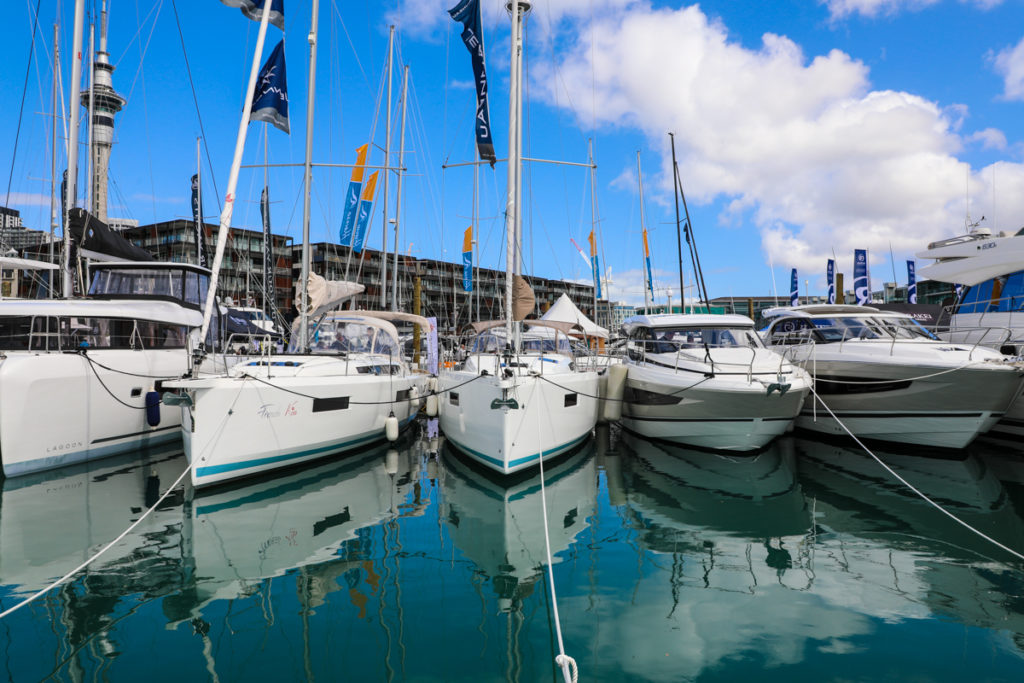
(391, 427)
(152, 408)
(616, 389)
(432, 405)
(414, 399)
(391, 462)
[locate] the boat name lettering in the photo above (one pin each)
(64, 446)
(987, 245)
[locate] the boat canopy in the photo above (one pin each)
(679, 320)
(819, 309)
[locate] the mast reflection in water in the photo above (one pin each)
(805, 561)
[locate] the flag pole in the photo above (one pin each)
(229, 198)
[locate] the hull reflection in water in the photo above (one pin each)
(498, 523)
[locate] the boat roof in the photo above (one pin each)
(148, 265)
(139, 309)
(686, 320)
(811, 310)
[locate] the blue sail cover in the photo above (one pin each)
(861, 280)
(202, 255)
(270, 100)
(467, 12)
(794, 289)
(254, 10)
(830, 274)
(911, 284)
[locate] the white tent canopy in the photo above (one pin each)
(565, 310)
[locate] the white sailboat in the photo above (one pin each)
(519, 397)
(285, 409)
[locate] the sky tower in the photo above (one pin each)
(105, 103)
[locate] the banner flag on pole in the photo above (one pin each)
(270, 99)
(467, 12)
(794, 289)
(365, 209)
(830, 273)
(583, 254)
(911, 284)
(467, 260)
(202, 253)
(647, 260)
(269, 288)
(355, 186)
(861, 279)
(254, 10)
(595, 264)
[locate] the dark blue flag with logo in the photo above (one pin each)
(254, 10)
(270, 292)
(467, 12)
(355, 186)
(830, 273)
(861, 280)
(794, 289)
(365, 209)
(270, 101)
(911, 284)
(199, 234)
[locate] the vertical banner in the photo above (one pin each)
(355, 186)
(647, 262)
(794, 289)
(365, 209)
(911, 283)
(199, 235)
(467, 260)
(830, 274)
(269, 263)
(861, 279)
(595, 265)
(467, 13)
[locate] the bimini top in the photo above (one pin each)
(811, 310)
(676, 320)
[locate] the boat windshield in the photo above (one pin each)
(866, 327)
(534, 341)
(333, 336)
(671, 339)
(119, 283)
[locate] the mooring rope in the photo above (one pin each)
(105, 548)
(911, 486)
(566, 663)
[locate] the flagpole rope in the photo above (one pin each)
(911, 486)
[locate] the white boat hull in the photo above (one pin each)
(58, 409)
(260, 425)
(509, 425)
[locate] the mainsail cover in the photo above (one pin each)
(95, 240)
(523, 299)
(324, 295)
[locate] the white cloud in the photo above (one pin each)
(840, 9)
(1009, 63)
(803, 148)
(990, 138)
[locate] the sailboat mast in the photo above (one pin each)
(76, 101)
(517, 8)
(593, 216)
(398, 190)
(229, 199)
(387, 177)
(643, 230)
(53, 151)
(311, 88)
(679, 241)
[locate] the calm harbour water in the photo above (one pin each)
(805, 562)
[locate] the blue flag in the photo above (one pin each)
(348, 221)
(270, 100)
(467, 260)
(794, 289)
(830, 273)
(365, 209)
(254, 10)
(202, 254)
(861, 279)
(911, 284)
(269, 262)
(467, 12)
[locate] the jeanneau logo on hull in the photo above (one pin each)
(61, 447)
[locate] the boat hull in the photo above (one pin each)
(257, 425)
(725, 412)
(509, 425)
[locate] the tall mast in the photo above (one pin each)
(593, 217)
(311, 87)
(53, 150)
(517, 8)
(76, 98)
(387, 175)
(643, 229)
(679, 241)
(474, 258)
(398, 190)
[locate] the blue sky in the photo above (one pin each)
(802, 129)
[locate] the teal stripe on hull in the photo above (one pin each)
(519, 462)
(212, 470)
(154, 438)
